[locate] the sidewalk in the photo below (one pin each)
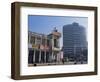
(47, 64)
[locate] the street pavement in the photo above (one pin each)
(57, 63)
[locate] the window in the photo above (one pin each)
(55, 43)
(48, 42)
(38, 41)
(43, 41)
(32, 40)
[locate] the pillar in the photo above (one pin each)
(49, 57)
(52, 56)
(58, 43)
(45, 56)
(34, 56)
(40, 56)
(29, 37)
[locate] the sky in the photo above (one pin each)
(46, 24)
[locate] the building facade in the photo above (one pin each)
(74, 42)
(43, 48)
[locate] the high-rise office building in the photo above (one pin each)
(75, 42)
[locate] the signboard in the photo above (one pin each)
(35, 46)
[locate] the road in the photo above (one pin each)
(57, 63)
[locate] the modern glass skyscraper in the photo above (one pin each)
(75, 42)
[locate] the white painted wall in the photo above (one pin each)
(5, 40)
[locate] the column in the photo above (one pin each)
(49, 57)
(52, 56)
(52, 48)
(40, 56)
(45, 56)
(34, 56)
(29, 38)
(58, 43)
(52, 42)
(40, 50)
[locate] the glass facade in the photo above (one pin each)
(74, 42)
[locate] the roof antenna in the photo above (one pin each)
(55, 29)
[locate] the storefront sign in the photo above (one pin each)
(35, 46)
